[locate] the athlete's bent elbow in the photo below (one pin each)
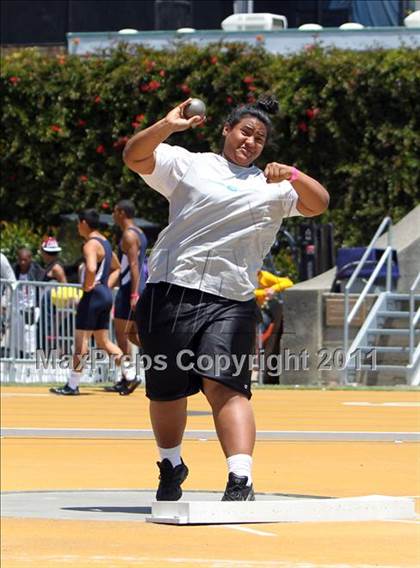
(324, 201)
(127, 159)
(319, 210)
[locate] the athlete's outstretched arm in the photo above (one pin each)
(138, 153)
(313, 197)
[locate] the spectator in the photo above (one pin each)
(27, 270)
(48, 327)
(269, 284)
(6, 273)
(53, 268)
(271, 329)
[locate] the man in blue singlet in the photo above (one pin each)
(101, 273)
(131, 254)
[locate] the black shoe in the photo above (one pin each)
(170, 480)
(237, 489)
(129, 387)
(118, 387)
(65, 390)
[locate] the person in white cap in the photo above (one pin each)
(48, 327)
(54, 270)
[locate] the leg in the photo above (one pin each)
(128, 381)
(81, 347)
(167, 388)
(233, 418)
(125, 327)
(121, 335)
(235, 426)
(126, 332)
(103, 342)
(122, 341)
(132, 333)
(169, 419)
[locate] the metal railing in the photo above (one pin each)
(385, 257)
(414, 318)
(38, 322)
(37, 315)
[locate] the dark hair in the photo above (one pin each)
(91, 216)
(127, 206)
(24, 249)
(265, 105)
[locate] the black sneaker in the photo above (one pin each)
(237, 489)
(129, 387)
(118, 387)
(65, 390)
(170, 480)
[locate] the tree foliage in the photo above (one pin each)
(349, 119)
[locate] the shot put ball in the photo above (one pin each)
(194, 108)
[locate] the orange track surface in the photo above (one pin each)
(315, 468)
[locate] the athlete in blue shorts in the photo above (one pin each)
(101, 273)
(131, 254)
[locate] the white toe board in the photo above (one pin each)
(367, 508)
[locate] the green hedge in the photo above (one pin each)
(350, 119)
(20, 234)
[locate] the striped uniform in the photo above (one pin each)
(93, 311)
(122, 300)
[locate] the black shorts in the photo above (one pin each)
(93, 310)
(187, 334)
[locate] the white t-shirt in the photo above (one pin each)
(223, 220)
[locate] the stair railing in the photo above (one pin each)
(414, 318)
(386, 256)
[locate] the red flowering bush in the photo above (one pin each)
(350, 119)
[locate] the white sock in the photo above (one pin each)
(171, 454)
(241, 464)
(118, 373)
(129, 372)
(74, 379)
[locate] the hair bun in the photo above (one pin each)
(268, 104)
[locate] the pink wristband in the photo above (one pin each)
(295, 174)
(135, 296)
